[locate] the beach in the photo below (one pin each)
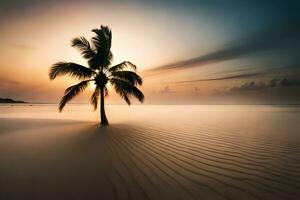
(150, 152)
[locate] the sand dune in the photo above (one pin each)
(64, 159)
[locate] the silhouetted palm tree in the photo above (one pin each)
(99, 71)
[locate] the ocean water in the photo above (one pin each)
(176, 151)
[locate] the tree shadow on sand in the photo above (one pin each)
(51, 159)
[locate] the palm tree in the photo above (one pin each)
(99, 71)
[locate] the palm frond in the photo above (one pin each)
(102, 43)
(124, 88)
(129, 76)
(122, 66)
(71, 92)
(84, 46)
(100, 60)
(102, 40)
(125, 97)
(95, 97)
(71, 69)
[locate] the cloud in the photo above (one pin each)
(222, 78)
(5, 82)
(273, 83)
(283, 71)
(166, 89)
(249, 86)
(285, 35)
(20, 46)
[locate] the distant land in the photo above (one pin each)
(7, 100)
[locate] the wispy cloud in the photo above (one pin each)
(166, 89)
(283, 71)
(273, 83)
(4, 82)
(277, 36)
(20, 46)
(222, 78)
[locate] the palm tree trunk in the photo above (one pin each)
(104, 121)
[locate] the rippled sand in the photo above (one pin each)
(152, 152)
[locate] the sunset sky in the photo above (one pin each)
(188, 52)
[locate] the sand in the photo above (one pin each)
(68, 159)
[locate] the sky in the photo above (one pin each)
(188, 52)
